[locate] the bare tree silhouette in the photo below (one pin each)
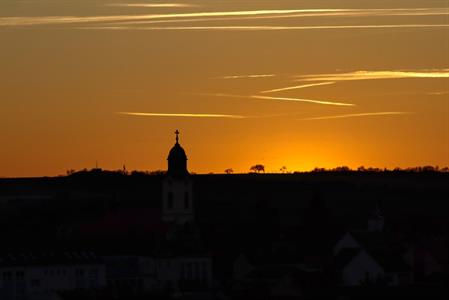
(229, 171)
(257, 168)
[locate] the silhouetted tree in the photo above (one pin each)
(342, 169)
(229, 171)
(283, 169)
(158, 172)
(257, 168)
(138, 173)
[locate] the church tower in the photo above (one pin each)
(376, 221)
(177, 190)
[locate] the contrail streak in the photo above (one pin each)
(151, 5)
(246, 76)
(302, 100)
(298, 87)
(270, 28)
(354, 13)
(144, 114)
(275, 13)
(22, 21)
(386, 113)
(371, 75)
(438, 93)
(282, 99)
(183, 115)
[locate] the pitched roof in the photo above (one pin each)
(345, 256)
(389, 261)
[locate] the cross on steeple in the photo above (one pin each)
(177, 135)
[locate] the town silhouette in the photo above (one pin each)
(326, 234)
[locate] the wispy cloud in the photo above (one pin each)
(438, 93)
(175, 17)
(303, 86)
(312, 13)
(22, 21)
(182, 115)
(362, 75)
(151, 5)
(371, 75)
(246, 76)
(268, 28)
(384, 113)
(322, 102)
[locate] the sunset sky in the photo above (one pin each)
(295, 83)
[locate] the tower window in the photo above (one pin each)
(170, 201)
(186, 200)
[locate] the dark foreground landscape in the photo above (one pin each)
(334, 235)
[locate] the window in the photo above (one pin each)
(186, 200)
(93, 277)
(189, 270)
(7, 276)
(93, 273)
(79, 273)
(183, 271)
(196, 268)
(35, 283)
(20, 275)
(170, 201)
(205, 270)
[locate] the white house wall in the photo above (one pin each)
(19, 281)
(359, 268)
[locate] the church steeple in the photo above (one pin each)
(177, 187)
(177, 160)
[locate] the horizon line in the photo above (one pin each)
(338, 169)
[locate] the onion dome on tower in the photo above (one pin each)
(177, 160)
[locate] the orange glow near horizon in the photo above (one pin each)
(289, 83)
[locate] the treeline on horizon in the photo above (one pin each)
(260, 169)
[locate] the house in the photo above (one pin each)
(428, 258)
(366, 258)
(140, 274)
(34, 275)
